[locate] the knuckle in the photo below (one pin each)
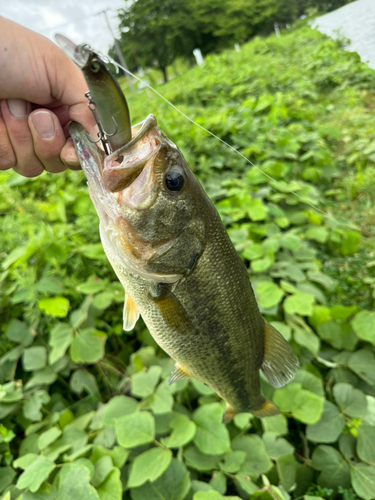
(7, 157)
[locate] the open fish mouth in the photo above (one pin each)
(126, 176)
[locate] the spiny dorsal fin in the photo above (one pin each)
(279, 363)
(178, 374)
(130, 315)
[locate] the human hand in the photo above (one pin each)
(41, 91)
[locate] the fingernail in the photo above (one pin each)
(43, 123)
(18, 107)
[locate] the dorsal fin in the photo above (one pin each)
(279, 363)
(130, 315)
(178, 374)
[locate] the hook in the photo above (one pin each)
(101, 134)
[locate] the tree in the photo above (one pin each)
(155, 32)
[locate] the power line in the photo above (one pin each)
(71, 22)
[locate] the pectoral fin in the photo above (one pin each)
(130, 315)
(279, 363)
(178, 374)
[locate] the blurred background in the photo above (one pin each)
(85, 409)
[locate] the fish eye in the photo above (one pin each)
(174, 179)
(95, 66)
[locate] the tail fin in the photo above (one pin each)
(279, 363)
(268, 409)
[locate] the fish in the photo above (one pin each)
(170, 250)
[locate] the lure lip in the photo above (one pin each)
(79, 54)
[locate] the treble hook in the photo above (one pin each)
(102, 134)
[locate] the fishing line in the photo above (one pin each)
(214, 135)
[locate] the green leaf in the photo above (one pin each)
(253, 252)
(183, 431)
(172, 485)
(162, 400)
(364, 326)
(34, 475)
(48, 285)
(307, 339)
(232, 461)
(307, 407)
(149, 466)
(199, 461)
(351, 401)
(88, 346)
(19, 331)
(269, 294)
(117, 407)
(118, 455)
(334, 469)
(283, 398)
(102, 300)
(42, 377)
(74, 484)
(61, 337)
(299, 303)
(284, 329)
(201, 387)
(276, 446)
(329, 427)
(24, 461)
(103, 467)
(317, 233)
(310, 382)
(286, 467)
(32, 406)
(256, 210)
(144, 383)
(135, 429)
(7, 474)
(277, 424)
(362, 363)
(58, 306)
(366, 443)
(363, 480)
(260, 265)
(111, 489)
(48, 437)
(257, 461)
(34, 358)
(350, 243)
(211, 435)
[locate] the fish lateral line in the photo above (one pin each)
(117, 65)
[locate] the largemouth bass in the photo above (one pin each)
(170, 250)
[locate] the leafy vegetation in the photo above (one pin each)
(85, 409)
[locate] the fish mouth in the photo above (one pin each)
(126, 176)
(122, 167)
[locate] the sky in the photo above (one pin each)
(79, 20)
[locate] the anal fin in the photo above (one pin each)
(268, 409)
(178, 374)
(279, 363)
(228, 414)
(130, 315)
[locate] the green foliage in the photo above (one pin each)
(85, 408)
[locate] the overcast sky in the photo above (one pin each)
(77, 19)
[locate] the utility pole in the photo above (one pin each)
(118, 50)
